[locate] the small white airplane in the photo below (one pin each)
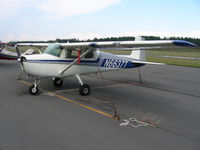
(61, 60)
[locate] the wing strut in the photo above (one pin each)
(76, 60)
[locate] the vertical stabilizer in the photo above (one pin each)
(138, 53)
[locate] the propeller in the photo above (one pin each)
(2, 46)
(20, 58)
(18, 52)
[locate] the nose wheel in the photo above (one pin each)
(33, 89)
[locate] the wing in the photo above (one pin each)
(121, 45)
(133, 44)
(33, 44)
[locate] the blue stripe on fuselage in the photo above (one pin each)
(108, 63)
(65, 61)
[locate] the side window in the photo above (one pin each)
(54, 49)
(68, 53)
(73, 54)
(89, 55)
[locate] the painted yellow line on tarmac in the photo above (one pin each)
(97, 87)
(82, 105)
(73, 102)
(26, 83)
(114, 85)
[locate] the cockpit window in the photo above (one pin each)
(54, 49)
(90, 55)
(73, 54)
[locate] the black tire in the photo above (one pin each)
(58, 82)
(33, 91)
(84, 90)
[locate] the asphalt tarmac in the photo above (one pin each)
(162, 112)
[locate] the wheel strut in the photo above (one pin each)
(79, 79)
(84, 89)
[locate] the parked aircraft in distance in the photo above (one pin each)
(8, 55)
(5, 54)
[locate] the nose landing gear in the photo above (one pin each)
(33, 89)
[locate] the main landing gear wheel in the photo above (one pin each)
(58, 82)
(84, 90)
(33, 90)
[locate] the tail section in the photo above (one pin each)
(138, 54)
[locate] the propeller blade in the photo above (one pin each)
(20, 58)
(2, 46)
(18, 52)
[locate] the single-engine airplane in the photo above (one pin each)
(61, 60)
(8, 55)
(5, 54)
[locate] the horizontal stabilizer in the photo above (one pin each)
(149, 63)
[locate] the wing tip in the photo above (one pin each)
(184, 43)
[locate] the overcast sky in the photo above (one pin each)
(83, 19)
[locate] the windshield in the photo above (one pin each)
(54, 49)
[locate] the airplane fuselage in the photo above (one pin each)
(46, 65)
(61, 60)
